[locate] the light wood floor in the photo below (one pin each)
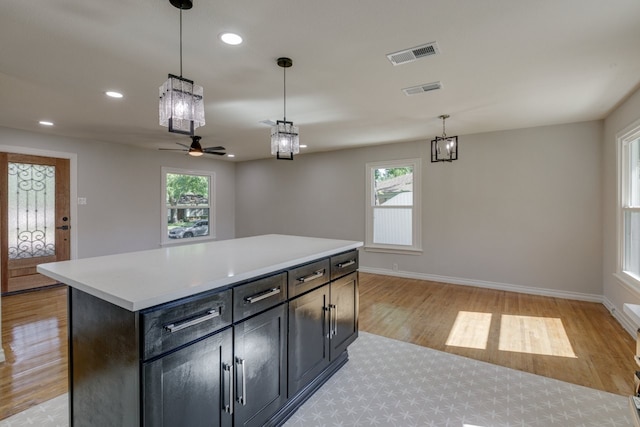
(516, 326)
(34, 339)
(599, 353)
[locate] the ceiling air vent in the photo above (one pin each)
(413, 54)
(427, 87)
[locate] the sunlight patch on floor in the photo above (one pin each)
(534, 335)
(470, 330)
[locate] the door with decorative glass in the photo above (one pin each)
(34, 218)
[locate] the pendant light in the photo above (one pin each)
(444, 148)
(285, 141)
(181, 101)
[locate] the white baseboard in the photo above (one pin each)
(2, 358)
(489, 285)
(622, 318)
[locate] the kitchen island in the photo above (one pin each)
(233, 333)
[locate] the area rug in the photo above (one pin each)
(393, 383)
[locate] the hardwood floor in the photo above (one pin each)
(34, 339)
(573, 341)
(514, 328)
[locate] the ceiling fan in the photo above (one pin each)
(195, 149)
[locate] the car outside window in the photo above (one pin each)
(187, 206)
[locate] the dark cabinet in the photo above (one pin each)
(191, 386)
(322, 323)
(260, 346)
(308, 337)
(246, 355)
(343, 322)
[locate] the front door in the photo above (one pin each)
(34, 218)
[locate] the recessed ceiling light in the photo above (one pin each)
(303, 146)
(45, 123)
(113, 94)
(230, 38)
(231, 155)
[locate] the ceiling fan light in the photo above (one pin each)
(285, 140)
(181, 106)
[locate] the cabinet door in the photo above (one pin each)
(260, 346)
(343, 317)
(308, 337)
(191, 386)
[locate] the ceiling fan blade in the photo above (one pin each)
(215, 152)
(171, 149)
(207, 149)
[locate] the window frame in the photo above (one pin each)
(624, 140)
(416, 215)
(164, 238)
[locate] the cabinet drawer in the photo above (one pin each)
(257, 296)
(343, 264)
(167, 327)
(308, 276)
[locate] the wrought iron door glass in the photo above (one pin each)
(31, 210)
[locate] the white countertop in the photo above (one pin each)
(139, 280)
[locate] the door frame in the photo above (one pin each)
(73, 197)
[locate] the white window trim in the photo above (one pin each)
(624, 139)
(164, 239)
(416, 248)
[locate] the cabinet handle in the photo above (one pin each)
(263, 295)
(243, 397)
(229, 408)
(175, 327)
(326, 309)
(334, 329)
(346, 264)
(317, 274)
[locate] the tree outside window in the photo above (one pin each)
(188, 205)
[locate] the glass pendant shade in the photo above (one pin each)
(285, 140)
(444, 149)
(181, 105)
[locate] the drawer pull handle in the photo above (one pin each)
(346, 264)
(175, 327)
(317, 274)
(259, 297)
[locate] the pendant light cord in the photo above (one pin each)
(181, 42)
(444, 134)
(284, 84)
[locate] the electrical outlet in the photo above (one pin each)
(395, 266)
(82, 200)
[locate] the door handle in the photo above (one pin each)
(229, 368)
(243, 397)
(63, 227)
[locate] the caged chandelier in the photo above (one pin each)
(444, 148)
(181, 101)
(285, 140)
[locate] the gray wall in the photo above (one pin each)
(616, 292)
(122, 186)
(519, 210)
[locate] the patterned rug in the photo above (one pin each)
(393, 383)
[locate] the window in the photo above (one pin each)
(629, 219)
(393, 206)
(188, 205)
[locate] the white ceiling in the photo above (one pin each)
(504, 64)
